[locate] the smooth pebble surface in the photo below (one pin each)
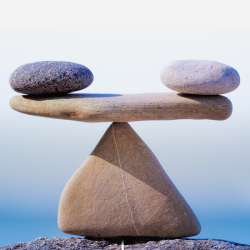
(124, 108)
(140, 199)
(50, 77)
(130, 243)
(200, 77)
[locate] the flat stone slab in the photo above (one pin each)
(142, 243)
(124, 108)
(200, 77)
(50, 77)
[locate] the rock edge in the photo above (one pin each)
(130, 243)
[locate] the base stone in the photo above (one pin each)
(122, 190)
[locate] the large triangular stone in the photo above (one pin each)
(122, 190)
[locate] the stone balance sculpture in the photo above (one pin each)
(121, 189)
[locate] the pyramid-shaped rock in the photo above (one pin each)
(122, 190)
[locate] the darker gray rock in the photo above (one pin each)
(50, 77)
(140, 243)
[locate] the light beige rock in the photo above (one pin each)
(200, 77)
(124, 108)
(122, 190)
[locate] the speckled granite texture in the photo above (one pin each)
(130, 243)
(50, 77)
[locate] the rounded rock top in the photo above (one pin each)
(200, 77)
(50, 77)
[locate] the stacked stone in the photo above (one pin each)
(200, 77)
(197, 77)
(50, 77)
(121, 189)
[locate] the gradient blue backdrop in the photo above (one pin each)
(207, 160)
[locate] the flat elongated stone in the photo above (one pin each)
(124, 108)
(122, 190)
(200, 77)
(50, 77)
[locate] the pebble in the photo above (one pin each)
(134, 243)
(50, 77)
(200, 77)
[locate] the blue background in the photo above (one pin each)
(207, 160)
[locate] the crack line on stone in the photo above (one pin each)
(158, 208)
(97, 177)
(113, 130)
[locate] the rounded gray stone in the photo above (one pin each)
(200, 77)
(50, 77)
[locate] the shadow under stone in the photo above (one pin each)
(128, 240)
(202, 98)
(67, 96)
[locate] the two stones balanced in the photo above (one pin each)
(121, 189)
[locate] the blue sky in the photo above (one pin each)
(207, 160)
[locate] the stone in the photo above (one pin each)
(200, 77)
(124, 108)
(122, 190)
(50, 77)
(130, 243)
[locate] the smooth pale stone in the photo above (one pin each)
(122, 190)
(50, 77)
(200, 77)
(124, 108)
